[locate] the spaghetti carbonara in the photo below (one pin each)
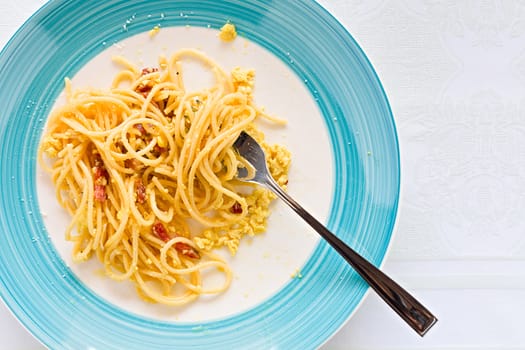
(147, 172)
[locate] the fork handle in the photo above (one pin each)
(410, 310)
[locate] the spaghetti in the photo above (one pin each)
(146, 170)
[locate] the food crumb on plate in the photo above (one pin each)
(297, 274)
(154, 31)
(228, 32)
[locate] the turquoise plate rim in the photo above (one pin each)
(59, 310)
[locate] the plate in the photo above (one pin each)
(345, 170)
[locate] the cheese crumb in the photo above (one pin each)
(228, 32)
(297, 274)
(154, 31)
(243, 80)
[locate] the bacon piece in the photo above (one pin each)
(140, 128)
(146, 88)
(149, 70)
(134, 164)
(159, 150)
(101, 177)
(160, 231)
(185, 249)
(140, 190)
(236, 208)
(99, 193)
(97, 160)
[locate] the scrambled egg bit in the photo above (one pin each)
(258, 201)
(228, 32)
(255, 221)
(243, 80)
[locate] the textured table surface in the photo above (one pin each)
(454, 72)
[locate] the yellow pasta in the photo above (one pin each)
(146, 170)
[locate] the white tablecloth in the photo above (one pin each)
(454, 72)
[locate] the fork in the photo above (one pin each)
(410, 310)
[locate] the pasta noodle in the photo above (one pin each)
(147, 172)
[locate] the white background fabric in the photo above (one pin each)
(454, 72)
